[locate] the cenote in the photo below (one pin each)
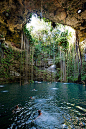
(42, 64)
(63, 105)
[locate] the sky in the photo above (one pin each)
(38, 25)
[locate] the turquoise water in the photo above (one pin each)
(63, 105)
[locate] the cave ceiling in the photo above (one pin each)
(15, 13)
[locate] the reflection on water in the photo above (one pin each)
(4, 91)
(55, 88)
(1, 86)
(63, 105)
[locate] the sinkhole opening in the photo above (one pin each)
(51, 45)
(48, 51)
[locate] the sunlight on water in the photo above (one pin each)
(4, 91)
(54, 88)
(66, 83)
(1, 86)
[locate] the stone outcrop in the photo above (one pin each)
(15, 13)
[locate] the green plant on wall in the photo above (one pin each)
(8, 61)
(28, 35)
(62, 40)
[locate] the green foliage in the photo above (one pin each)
(48, 43)
(83, 77)
(46, 20)
(71, 79)
(58, 74)
(7, 10)
(8, 61)
(37, 51)
(63, 40)
(31, 81)
(64, 34)
(1, 36)
(28, 35)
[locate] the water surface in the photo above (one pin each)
(63, 105)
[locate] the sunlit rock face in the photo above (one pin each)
(52, 68)
(15, 13)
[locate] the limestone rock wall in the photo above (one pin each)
(15, 13)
